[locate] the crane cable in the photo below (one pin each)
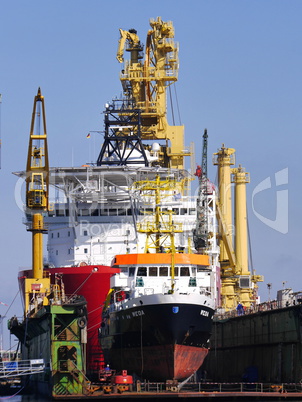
(176, 97)
(172, 110)
(177, 105)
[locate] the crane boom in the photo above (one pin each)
(37, 168)
(37, 183)
(134, 45)
(200, 235)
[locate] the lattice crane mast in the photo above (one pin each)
(37, 188)
(200, 235)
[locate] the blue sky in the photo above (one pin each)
(239, 77)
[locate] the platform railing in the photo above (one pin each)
(266, 306)
(215, 387)
(14, 368)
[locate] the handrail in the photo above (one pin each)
(266, 306)
(16, 368)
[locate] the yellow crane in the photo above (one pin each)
(37, 187)
(145, 82)
(237, 282)
(133, 45)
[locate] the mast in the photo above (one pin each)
(161, 229)
(200, 235)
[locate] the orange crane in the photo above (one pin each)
(37, 188)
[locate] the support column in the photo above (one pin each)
(240, 178)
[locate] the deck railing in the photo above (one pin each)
(16, 368)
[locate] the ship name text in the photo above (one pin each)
(204, 313)
(137, 313)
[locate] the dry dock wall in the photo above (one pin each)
(265, 346)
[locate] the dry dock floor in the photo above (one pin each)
(184, 396)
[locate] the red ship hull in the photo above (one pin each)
(160, 362)
(92, 282)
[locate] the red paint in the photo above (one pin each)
(159, 363)
(92, 282)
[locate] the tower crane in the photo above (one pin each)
(200, 235)
(37, 183)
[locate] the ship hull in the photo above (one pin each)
(160, 362)
(56, 334)
(167, 340)
(93, 283)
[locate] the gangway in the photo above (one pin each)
(17, 368)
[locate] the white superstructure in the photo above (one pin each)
(97, 211)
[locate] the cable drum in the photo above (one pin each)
(82, 311)
(82, 322)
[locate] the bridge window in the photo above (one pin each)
(131, 271)
(184, 271)
(142, 271)
(202, 268)
(163, 271)
(175, 271)
(59, 212)
(153, 271)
